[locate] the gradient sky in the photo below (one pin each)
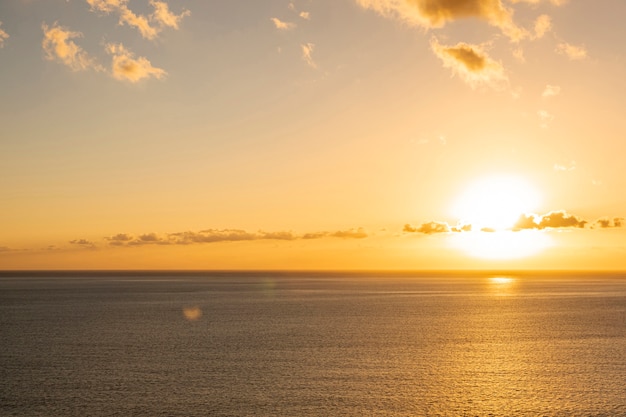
(309, 134)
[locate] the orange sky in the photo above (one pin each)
(312, 135)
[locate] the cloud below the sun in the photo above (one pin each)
(559, 219)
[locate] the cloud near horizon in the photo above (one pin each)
(226, 235)
(559, 219)
(471, 63)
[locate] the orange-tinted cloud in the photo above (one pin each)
(551, 91)
(428, 228)
(280, 25)
(436, 13)
(226, 235)
(543, 25)
(3, 36)
(307, 51)
(573, 52)
(150, 26)
(58, 46)
(128, 68)
(553, 220)
(606, 223)
(164, 17)
(471, 63)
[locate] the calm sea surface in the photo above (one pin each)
(279, 344)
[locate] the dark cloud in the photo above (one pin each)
(82, 242)
(606, 223)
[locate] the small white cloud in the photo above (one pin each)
(568, 167)
(164, 16)
(307, 51)
(551, 91)
(280, 25)
(305, 15)
(545, 118)
(573, 52)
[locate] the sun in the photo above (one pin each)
(492, 205)
(496, 202)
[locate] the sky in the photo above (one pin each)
(312, 134)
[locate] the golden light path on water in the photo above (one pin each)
(502, 244)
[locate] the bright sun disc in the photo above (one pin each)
(495, 202)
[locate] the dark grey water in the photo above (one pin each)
(269, 344)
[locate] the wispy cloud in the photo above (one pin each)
(551, 91)
(128, 68)
(545, 118)
(307, 51)
(280, 25)
(58, 46)
(471, 63)
(305, 15)
(164, 17)
(543, 25)
(436, 13)
(148, 26)
(569, 167)
(573, 52)
(3, 36)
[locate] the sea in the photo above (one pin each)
(268, 343)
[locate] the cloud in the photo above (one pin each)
(553, 220)
(307, 50)
(428, 228)
(305, 15)
(545, 118)
(570, 167)
(573, 52)
(82, 242)
(125, 67)
(3, 36)
(5, 249)
(554, 2)
(280, 25)
(436, 13)
(606, 223)
(58, 45)
(551, 91)
(226, 235)
(471, 63)
(162, 16)
(543, 25)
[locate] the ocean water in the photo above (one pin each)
(306, 344)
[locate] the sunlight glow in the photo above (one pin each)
(503, 244)
(495, 202)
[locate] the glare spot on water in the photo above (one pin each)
(501, 280)
(192, 313)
